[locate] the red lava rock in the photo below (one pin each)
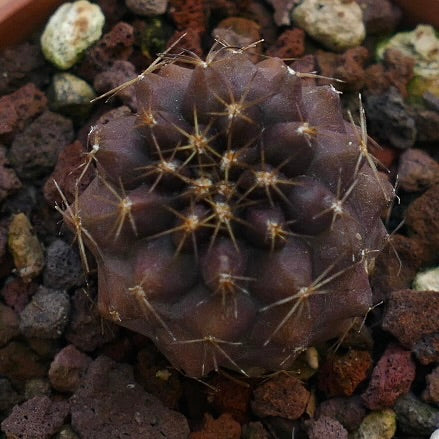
(391, 378)
(18, 108)
(86, 329)
(8, 119)
(70, 165)
(396, 70)
(109, 400)
(19, 363)
(34, 151)
(350, 411)
(16, 293)
(349, 67)
(240, 32)
(431, 393)
(43, 419)
(114, 45)
(411, 315)
(67, 369)
(28, 102)
(189, 14)
(9, 182)
(396, 266)
(231, 397)
(325, 427)
(117, 74)
(422, 219)
(189, 17)
(290, 44)
(225, 427)
(417, 170)
(157, 379)
(8, 324)
(283, 395)
(19, 64)
(340, 375)
(380, 16)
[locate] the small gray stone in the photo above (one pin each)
(337, 24)
(67, 433)
(70, 95)
(70, 31)
(63, 266)
(390, 119)
(147, 8)
(46, 315)
(377, 425)
(415, 417)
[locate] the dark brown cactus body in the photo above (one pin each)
(234, 217)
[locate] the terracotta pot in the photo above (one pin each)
(19, 18)
(420, 11)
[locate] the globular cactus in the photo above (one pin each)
(235, 217)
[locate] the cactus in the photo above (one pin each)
(235, 217)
